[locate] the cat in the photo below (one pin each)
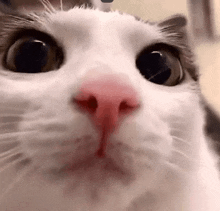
(102, 111)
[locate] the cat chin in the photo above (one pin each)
(95, 184)
(99, 197)
(95, 194)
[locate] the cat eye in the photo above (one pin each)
(30, 54)
(160, 66)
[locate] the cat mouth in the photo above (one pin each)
(92, 169)
(89, 162)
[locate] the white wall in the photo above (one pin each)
(152, 9)
(216, 16)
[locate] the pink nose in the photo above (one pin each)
(107, 98)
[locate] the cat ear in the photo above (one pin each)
(177, 22)
(175, 26)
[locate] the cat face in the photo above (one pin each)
(45, 132)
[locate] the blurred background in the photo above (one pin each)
(204, 25)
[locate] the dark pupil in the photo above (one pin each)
(154, 67)
(31, 56)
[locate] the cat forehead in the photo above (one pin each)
(79, 13)
(94, 18)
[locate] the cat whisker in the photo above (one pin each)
(176, 122)
(177, 132)
(13, 183)
(182, 160)
(4, 147)
(8, 127)
(48, 6)
(153, 76)
(18, 19)
(179, 153)
(176, 129)
(174, 168)
(6, 118)
(150, 154)
(10, 115)
(146, 160)
(8, 153)
(10, 158)
(11, 111)
(181, 140)
(9, 141)
(146, 165)
(9, 118)
(61, 5)
(10, 164)
(4, 137)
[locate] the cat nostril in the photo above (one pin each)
(89, 104)
(124, 107)
(92, 104)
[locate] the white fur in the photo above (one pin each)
(162, 144)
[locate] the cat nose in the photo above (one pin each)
(107, 98)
